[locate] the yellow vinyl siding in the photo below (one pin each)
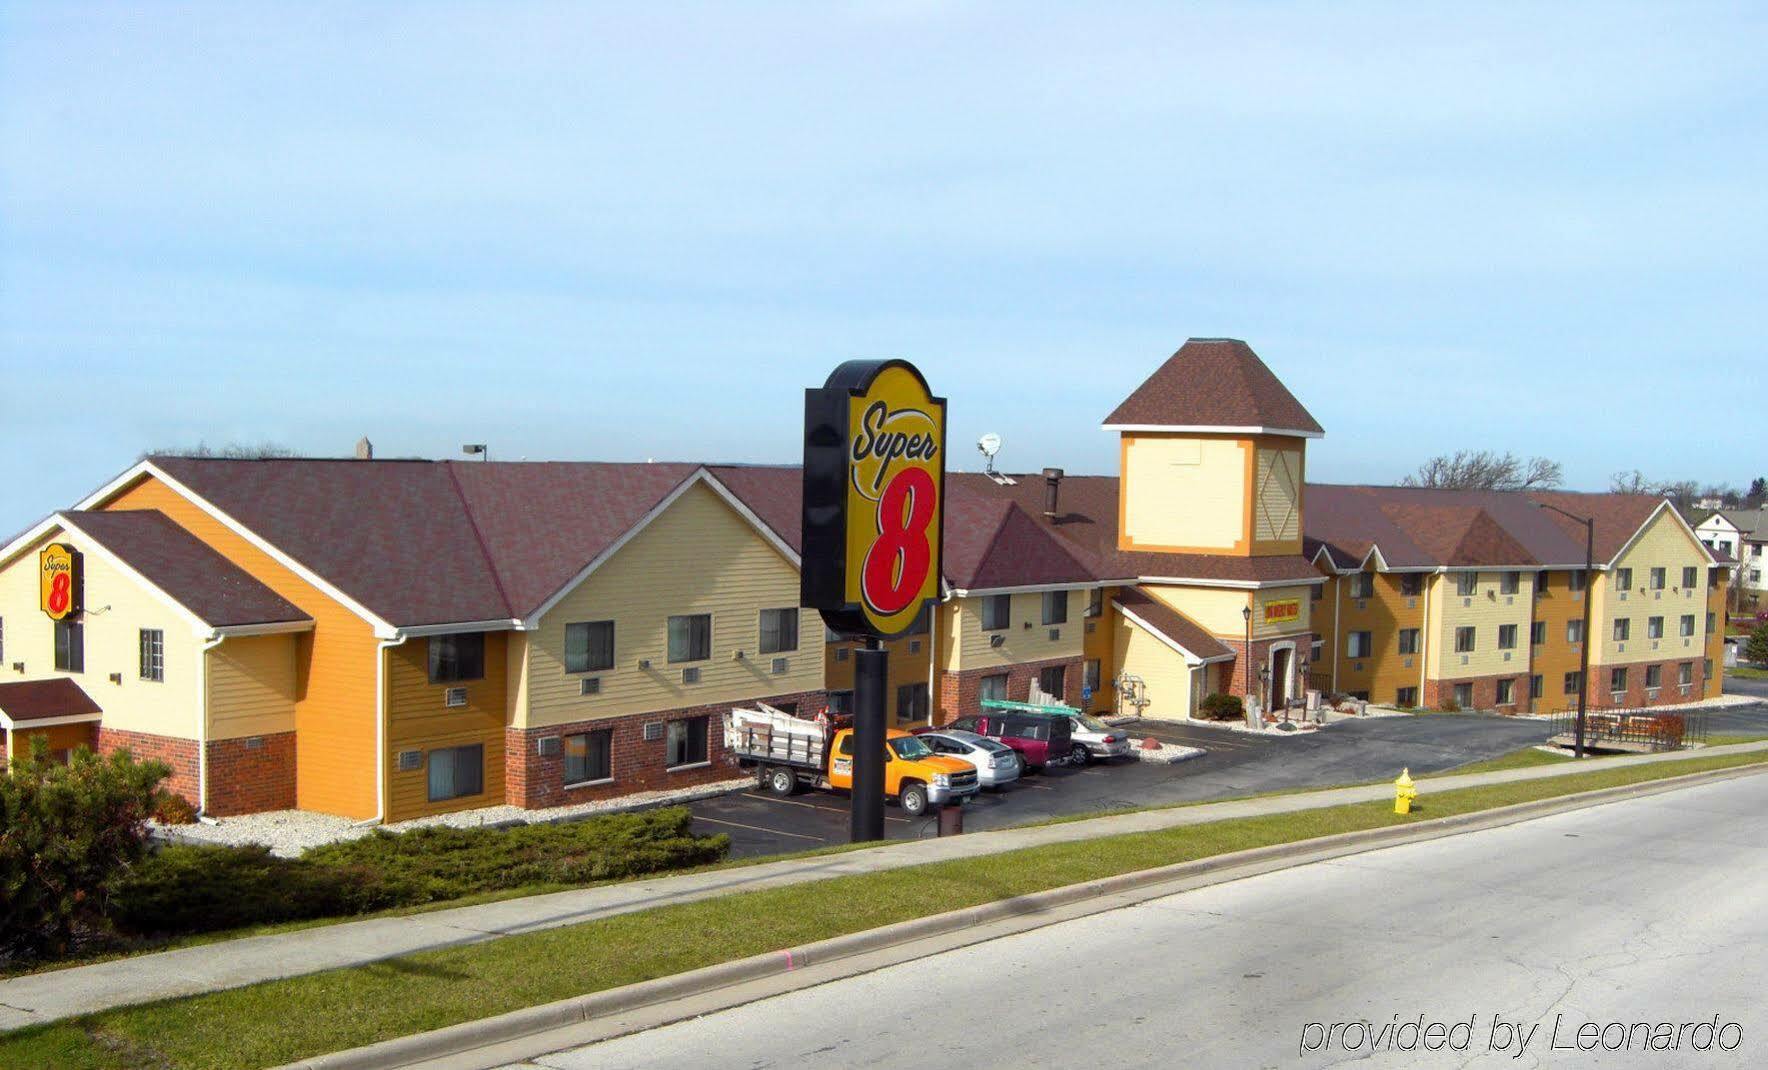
(1185, 492)
(252, 686)
(1555, 608)
(419, 718)
(1663, 544)
(1277, 501)
(1384, 615)
(973, 648)
(698, 556)
(335, 664)
(1485, 612)
(1166, 677)
(1218, 610)
(117, 608)
(1098, 643)
(910, 661)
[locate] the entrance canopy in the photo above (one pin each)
(44, 704)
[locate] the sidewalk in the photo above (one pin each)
(83, 989)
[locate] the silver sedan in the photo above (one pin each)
(996, 763)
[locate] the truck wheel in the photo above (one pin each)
(780, 781)
(913, 799)
(1079, 755)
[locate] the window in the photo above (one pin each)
(1712, 621)
(1538, 633)
(1363, 585)
(1053, 681)
(1406, 696)
(1654, 627)
(685, 742)
(997, 612)
(1690, 577)
(153, 654)
(1623, 629)
(70, 646)
(1055, 607)
(1506, 692)
(1541, 582)
(690, 637)
(589, 646)
(1467, 584)
(992, 688)
(1687, 625)
(1685, 673)
(1412, 585)
(456, 772)
(454, 658)
(1408, 640)
(911, 702)
(1657, 579)
(840, 703)
(1511, 583)
(1617, 679)
(1464, 696)
(589, 756)
(1464, 639)
(1359, 644)
(779, 630)
(1506, 637)
(1755, 576)
(1317, 592)
(1095, 601)
(1573, 680)
(1575, 581)
(1089, 676)
(1706, 667)
(1537, 686)
(1654, 676)
(1623, 579)
(1574, 631)
(1316, 650)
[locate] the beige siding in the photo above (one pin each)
(973, 648)
(1663, 544)
(252, 687)
(1184, 492)
(1219, 610)
(117, 608)
(1166, 677)
(1485, 611)
(699, 556)
(1277, 507)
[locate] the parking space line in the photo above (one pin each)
(814, 806)
(758, 828)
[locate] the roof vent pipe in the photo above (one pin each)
(364, 449)
(1052, 484)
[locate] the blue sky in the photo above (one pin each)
(619, 232)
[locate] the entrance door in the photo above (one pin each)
(1280, 678)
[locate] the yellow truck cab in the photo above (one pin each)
(789, 753)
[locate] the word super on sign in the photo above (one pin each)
(874, 497)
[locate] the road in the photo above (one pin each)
(1649, 910)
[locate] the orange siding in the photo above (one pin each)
(1557, 606)
(335, 665)
(907, 666)
(1096, 645)
(418, 718)
(1384, 614)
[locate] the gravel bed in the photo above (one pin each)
(1164, 753)
(1718, 702)
(290, 832)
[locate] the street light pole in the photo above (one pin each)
(1584, 647)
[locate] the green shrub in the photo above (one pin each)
(1756, 647)
(171, 808)
(68, 831)
(183, 888)
(1220, 707)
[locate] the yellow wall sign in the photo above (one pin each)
(59, 581)
(1285, 611)
(874, 497)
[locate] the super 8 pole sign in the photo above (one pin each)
(60, 580)
(874, 497)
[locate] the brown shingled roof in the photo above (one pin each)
(1171, 623)
(214, 589)
(1214, 382)
(41, 700)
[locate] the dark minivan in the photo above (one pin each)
(1039, 738)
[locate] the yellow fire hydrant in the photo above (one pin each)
(1404, 792)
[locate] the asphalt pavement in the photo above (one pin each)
(1619, 927)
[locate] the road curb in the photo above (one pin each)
(1144, 884)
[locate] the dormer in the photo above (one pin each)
(1214, 454)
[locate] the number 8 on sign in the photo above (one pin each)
(896, 565)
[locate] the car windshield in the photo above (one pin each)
(990, 746)
(909, 747)
(1091, 724)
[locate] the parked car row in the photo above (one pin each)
(928, 767)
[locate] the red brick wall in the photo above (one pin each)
(251, 775)
(960, 692)
(1485, 692)
(535, 781)
(179, 754)
(1669, 693)
(1230, 678)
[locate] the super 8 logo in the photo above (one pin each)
(872, 541)
(59, 585)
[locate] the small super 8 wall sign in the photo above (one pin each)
(874, 497)
(60, 580)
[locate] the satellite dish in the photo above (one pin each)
(989, 444)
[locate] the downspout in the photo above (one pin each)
(380, 729)
(202, 730)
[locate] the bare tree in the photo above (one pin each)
(1633, 482)
(231, 451)
(1683, 493)
(1486, 470)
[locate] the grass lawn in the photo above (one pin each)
(1747, 672)
(281, 1021)
(1516, 759)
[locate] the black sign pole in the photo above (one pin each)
(871, 668)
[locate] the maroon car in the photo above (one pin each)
(1039, 738)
